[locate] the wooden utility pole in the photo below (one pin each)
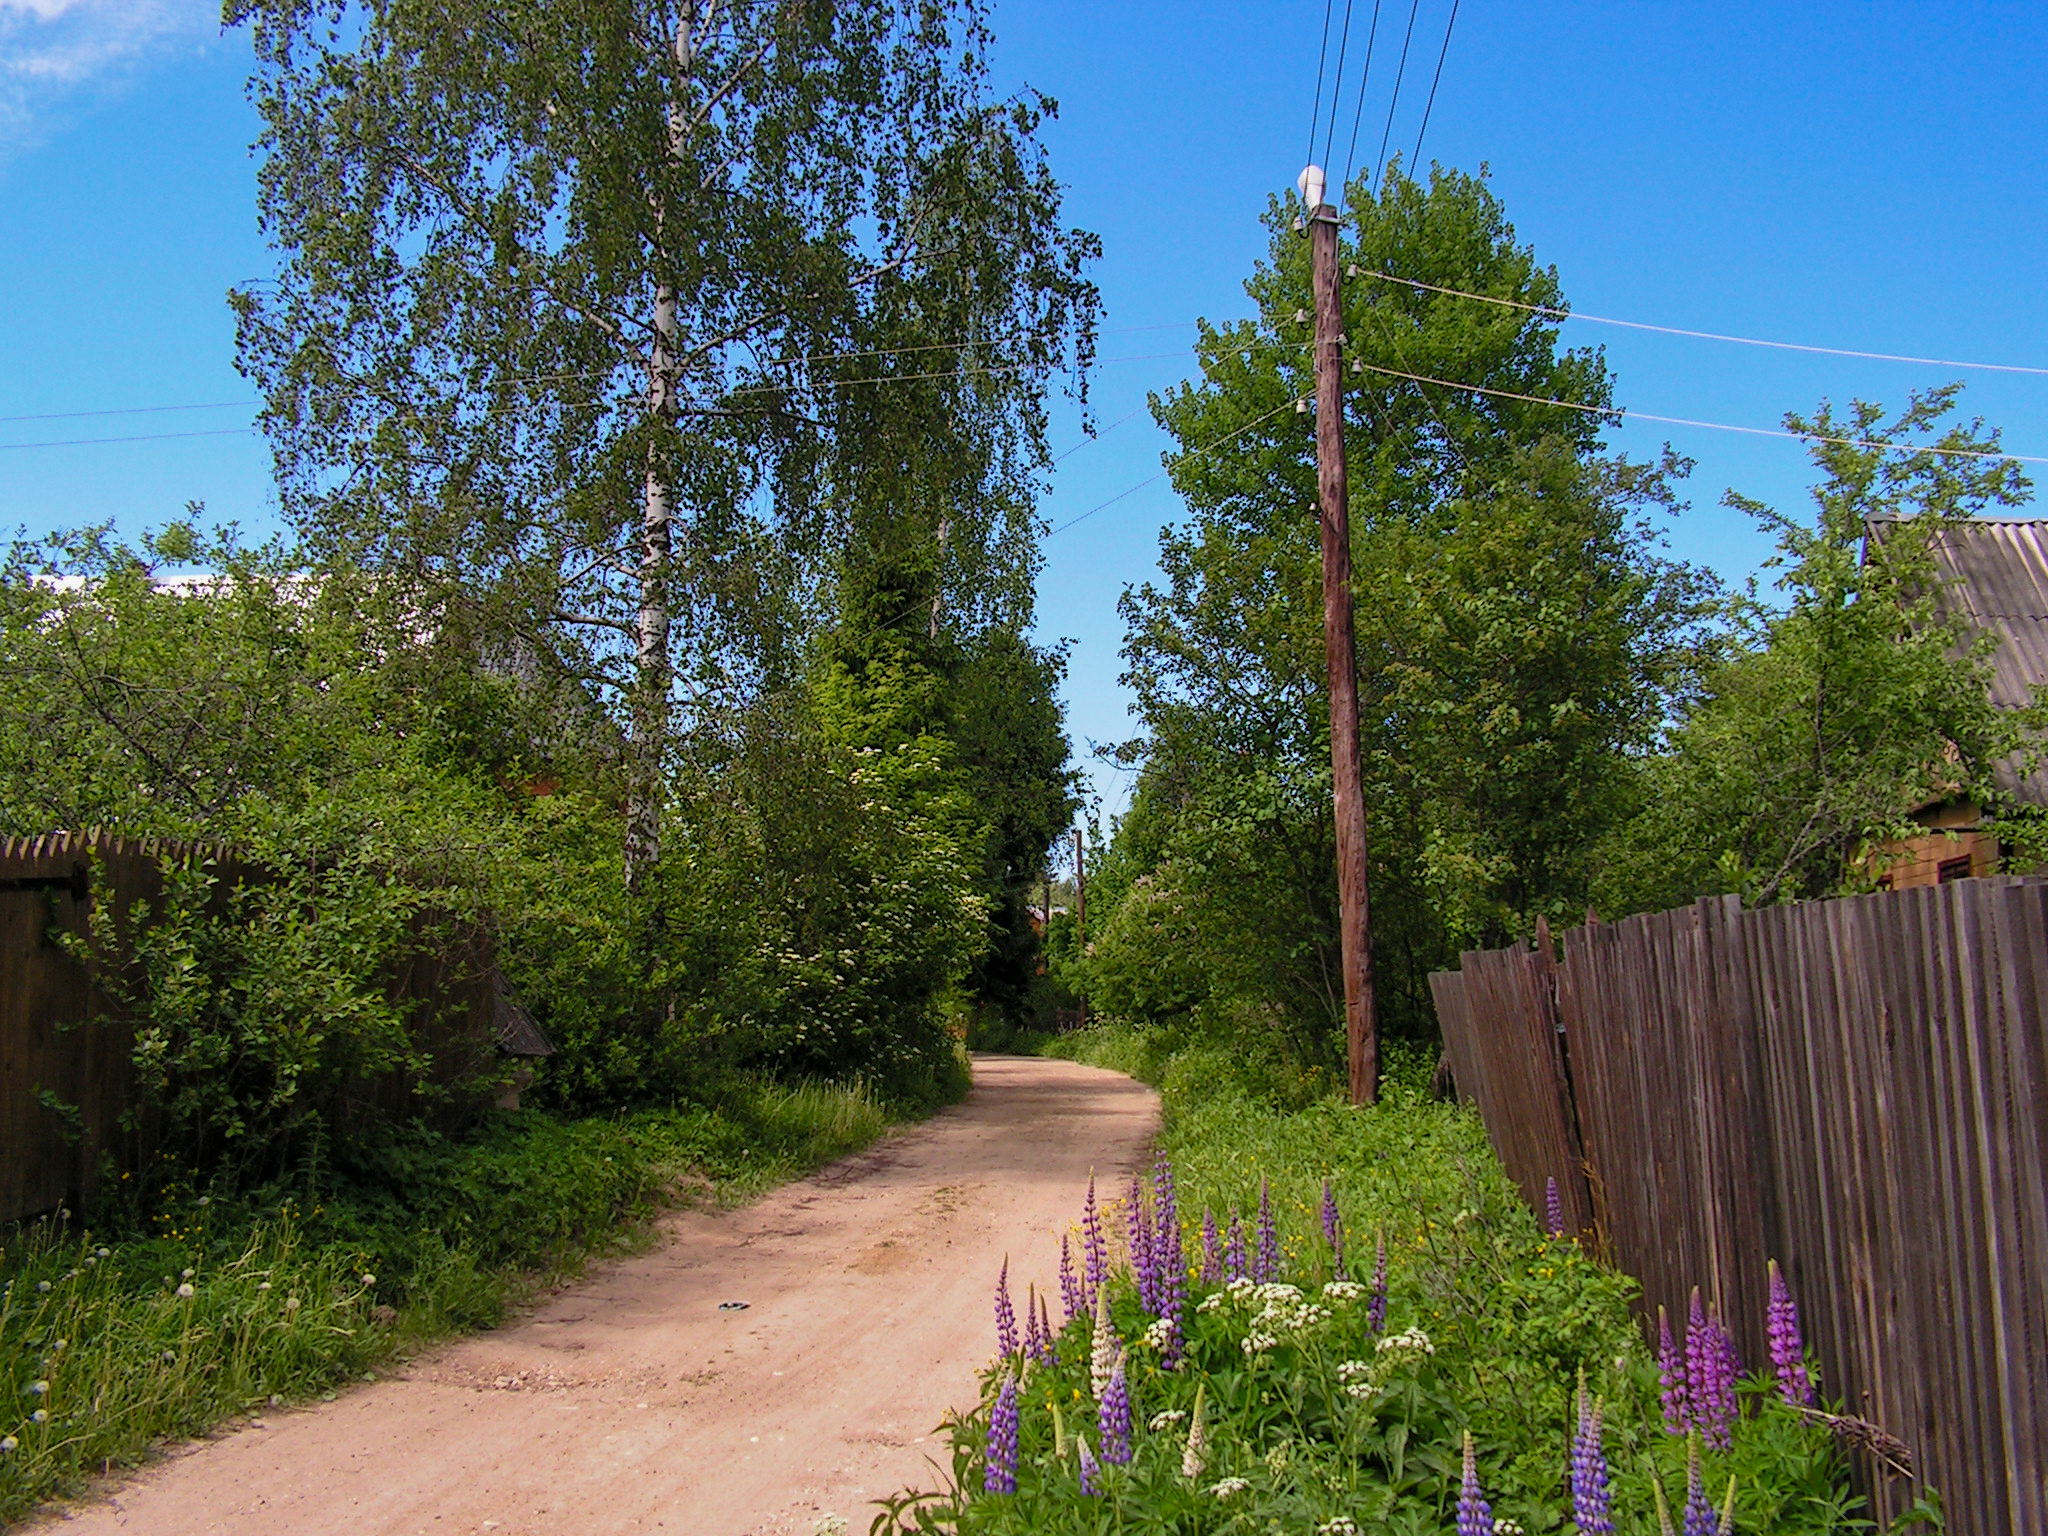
(1080, 914)
(1361, 1031)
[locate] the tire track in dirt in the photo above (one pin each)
(630, 1403)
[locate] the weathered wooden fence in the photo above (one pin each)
(1856, 1088)
(67, 1086)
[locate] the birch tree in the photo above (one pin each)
(619, 317)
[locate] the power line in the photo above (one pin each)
(1336, 89)
(1717, 426)
(136, 410)
(145, 437)
(1415, 162)
(1322, 59)
(1552, 313)
(1364, 79)
(1394, 100)
(1197, 453)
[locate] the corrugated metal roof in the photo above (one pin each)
(1996, 572)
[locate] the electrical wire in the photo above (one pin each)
(1364, 79)
(1551, 313)
(1336, 90)
(136, 410)
(1429, 106)
(145, 437)
(1206, 448)
(1394, 100)
(1322, 60)
(1716, 426)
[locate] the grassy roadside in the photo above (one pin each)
(1331, 1405)
(110, 1344)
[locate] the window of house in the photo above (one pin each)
(1955, 869)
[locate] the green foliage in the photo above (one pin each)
(1324, 1421)
(1859, 699)
(293, 1296)
(1519, 637)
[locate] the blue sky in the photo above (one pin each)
(1864, 176)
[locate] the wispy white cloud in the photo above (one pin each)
(51, 50)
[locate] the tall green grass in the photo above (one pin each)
(109, 1346)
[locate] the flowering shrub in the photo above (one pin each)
(1407, 1352)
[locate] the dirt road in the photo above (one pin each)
(632, 1403)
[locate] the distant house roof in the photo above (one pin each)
(1996, 578)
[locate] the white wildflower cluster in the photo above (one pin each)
(1257, 1343)
(1230, 1487)
(1158, 1332)
(1357, 1378)
(1212, 1301)
(1169, 1417)
(1410, 1341)
(1507, 1527)
(1343, 1290)
(1343, 1525)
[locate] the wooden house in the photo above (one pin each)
(1994, 573)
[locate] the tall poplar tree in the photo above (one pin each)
(619, 316)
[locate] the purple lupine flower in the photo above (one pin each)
(1113, 1421)
(1474, 1517)
(1553, 1208)
(1095, 1254)
(1144, 1250)
(1671, 1379)
(1171, 1263)
(1711, 1369)
(1006, 1315)
(1070, 1286)
(1333, 1228)
(1212, 1249)
(1788, 1349)
(1268, 1269)
(1376, 1309)
(1234, 1265)
(1031, 1341)
(1090, 1468)
(1047, 1355)
(1699, 1514)
(1000, 1472)
(1591, 1506)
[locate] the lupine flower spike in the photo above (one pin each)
(1553, 1208)
(1234, 1265)
(1788, 1349)
(1333, 1229)
(1699, 1514)
(1000, 1475)
(1144, 1252)
(1671, 1378)
(1269, 1238)
(1171, 1261)
(1113, 1423)
(1212, 1249)
(1031, 1324)
(1070, 1287)
(1046, 1353)
(1711, 1369)
(1727, 1525)
(1591, 1504)
(1474, 1517)
(1006, 1315)
(1194, 1461)
(1102, 1354)
(1090, 1468)
(1376, 1309)
(1095, 1255)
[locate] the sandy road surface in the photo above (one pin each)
(631, 1403)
